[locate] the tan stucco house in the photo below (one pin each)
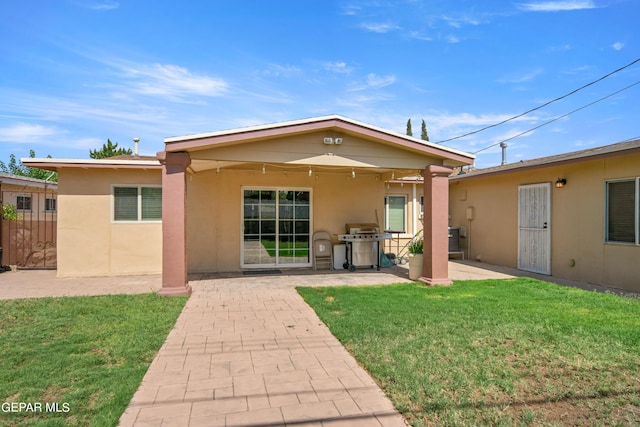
(574, 215)
(209, 202)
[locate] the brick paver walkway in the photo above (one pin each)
(251, 352)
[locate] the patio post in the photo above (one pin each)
(436, 220)
(174, 223)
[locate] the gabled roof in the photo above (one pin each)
(332, 122)
(618, 149)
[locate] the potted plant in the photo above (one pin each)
(415, 258)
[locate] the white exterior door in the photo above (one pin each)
(534, 228)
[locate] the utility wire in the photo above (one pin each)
(559, 117)
(540, 106)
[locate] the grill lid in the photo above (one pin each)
(362, 228)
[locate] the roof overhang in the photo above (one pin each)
(57, 164)
(192, 143)
(613, 150)
(27, 182)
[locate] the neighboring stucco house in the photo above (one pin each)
(210, 201)
(573, 215)
(28, 223)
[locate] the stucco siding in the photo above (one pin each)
(89, 243)
(578, 249)
(214, 209)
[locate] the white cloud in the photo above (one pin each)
(109, 5)
(420, 36)
(445, 120)
(560, 48)
(617, 45)
(452, 39)
(460, 21)
(338, 67)
(27, 133)
(99, 5)
(556, 6)
(351, 10)
(373, 80)
(379, 27)
(577, 70)
(276, 70)
(584, 144)
(521, 78)
(173, 81)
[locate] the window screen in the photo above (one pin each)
(621, 211)
(395, 213)
(125, 203)
(151, 203)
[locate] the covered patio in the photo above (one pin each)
(252, 198)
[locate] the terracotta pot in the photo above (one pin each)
(415, 266)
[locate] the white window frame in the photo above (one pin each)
(386, 212)
(139, 220)
(636, 216)
(277, 264)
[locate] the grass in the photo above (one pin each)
(287, 249)
(85, 354)
(493, 352)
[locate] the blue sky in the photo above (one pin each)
(76, 72)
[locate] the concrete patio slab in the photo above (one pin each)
(43, 283)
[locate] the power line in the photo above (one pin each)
(559, 117)
(540, 106)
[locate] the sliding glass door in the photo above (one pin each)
(276, 227)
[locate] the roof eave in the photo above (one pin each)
(516, 167)
(56, 164)
(247, 134)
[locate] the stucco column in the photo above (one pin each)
(436, 220)
(174, 223)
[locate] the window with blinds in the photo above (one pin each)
(623, 211)
(151, 203)
(137, 203)
(395, 213)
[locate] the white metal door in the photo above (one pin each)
(534, 228)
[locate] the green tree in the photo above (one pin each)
(15, 167)
(409, 131)
(109, 150)
(424, 135)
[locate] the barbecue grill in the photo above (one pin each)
(363, 248)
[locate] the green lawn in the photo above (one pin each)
(493, 352)
(85, 354)
(287, 249)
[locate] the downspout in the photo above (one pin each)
(48, 178)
